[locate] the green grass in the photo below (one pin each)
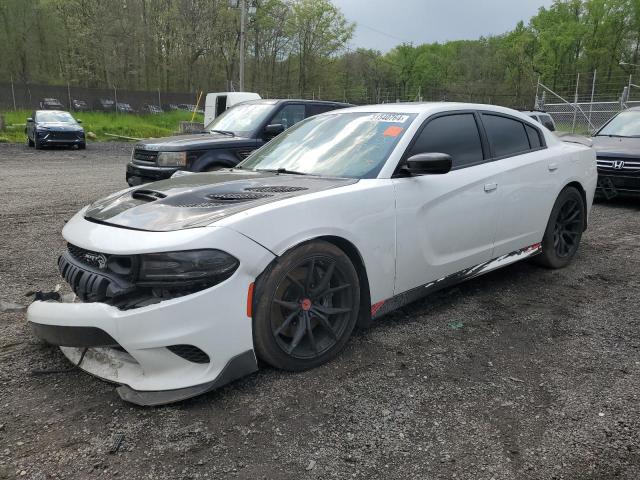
(128, 125)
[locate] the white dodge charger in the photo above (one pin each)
(184, 283)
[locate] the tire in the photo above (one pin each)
(29, 142)
(82, 146)
(295, 326)
(36, 143)
(564, 230)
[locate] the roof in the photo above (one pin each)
(433, 107)
(52, 111)
(297, 100)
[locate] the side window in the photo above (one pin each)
(456, 135)
(506, 135)
(534, 137)
(289, 115)
(547, 122)
(317, 109)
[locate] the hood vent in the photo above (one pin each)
(147, 195)
(276, 189)
(237, 197)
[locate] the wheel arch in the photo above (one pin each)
(223, 158)
(578, 186)
(354, 255)
(364, 317)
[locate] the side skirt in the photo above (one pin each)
(397, 301)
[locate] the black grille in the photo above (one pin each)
(144, 157)
(88, 257)
(89, 286)
(63, 135)
(89, 277)
(190, 353)
(237, 197)
(275, 189)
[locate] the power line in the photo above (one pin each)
(382, 33)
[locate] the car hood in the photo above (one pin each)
(200, 140)
(203, 198)
(615, 146)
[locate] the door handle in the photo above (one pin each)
(552, 167)
(490, 187)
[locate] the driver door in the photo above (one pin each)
(446, 223)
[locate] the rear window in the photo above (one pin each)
(506, 136)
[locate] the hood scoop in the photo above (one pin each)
(276, 189)
(147, 195)
(237, 196)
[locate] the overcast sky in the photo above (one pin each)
(383, 24)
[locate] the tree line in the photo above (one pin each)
(301, 48)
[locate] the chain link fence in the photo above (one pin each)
(16, 96)
(584, 112)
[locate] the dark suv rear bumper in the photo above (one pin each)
(137, 174)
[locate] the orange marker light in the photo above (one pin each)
(250, 300)
(393, 131)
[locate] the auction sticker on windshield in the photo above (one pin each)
(390, 117)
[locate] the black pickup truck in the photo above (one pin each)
(229, 139)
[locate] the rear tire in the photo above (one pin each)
(564, 230)
(306, 306)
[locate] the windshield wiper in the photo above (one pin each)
(280, 170)
(224, 132)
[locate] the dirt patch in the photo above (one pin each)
(524, 373)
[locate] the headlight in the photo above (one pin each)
(186, 268)
(172, 159)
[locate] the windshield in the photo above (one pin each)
(354, 145)
(241, 119)
(54, 117)
(626, 124)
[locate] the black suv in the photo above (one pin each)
(229, 139)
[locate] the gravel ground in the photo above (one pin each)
(524, 373)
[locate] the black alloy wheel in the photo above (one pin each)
(307, 307)
(568, 228)
(564, 230)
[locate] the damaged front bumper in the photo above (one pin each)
(138, 348)
(166, 351)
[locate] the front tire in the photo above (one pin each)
(29, 142)
(36, 143)
(306, 307)
(564, 230)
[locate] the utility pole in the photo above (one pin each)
(243, 14)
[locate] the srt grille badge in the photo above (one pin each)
(618, 164)
(96, 259)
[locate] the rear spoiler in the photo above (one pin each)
(573, 138)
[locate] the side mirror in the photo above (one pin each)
(29, 120)
(78, 120)
(428, 164)
(273, 129)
